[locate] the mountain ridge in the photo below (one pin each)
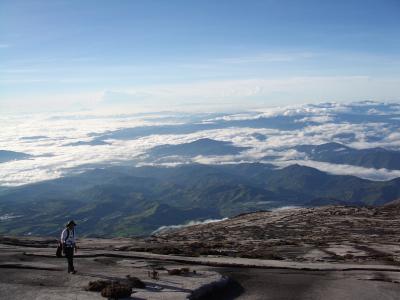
(121, 200)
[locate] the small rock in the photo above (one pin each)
(174, 272)
(180, 271)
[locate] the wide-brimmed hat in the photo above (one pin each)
(72, 222)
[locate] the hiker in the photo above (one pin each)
(69, 245)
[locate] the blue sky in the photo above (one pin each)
(86, 54)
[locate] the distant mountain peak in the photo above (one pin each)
(204, 146)
(207, 140)
(297, 168)
(6, 155)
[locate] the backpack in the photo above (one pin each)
(59, 249)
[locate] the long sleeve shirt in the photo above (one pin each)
(68, 239)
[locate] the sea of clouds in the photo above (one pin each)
(63, 143)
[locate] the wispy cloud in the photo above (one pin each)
(19, 71)
(268, 58)
(366, 173)
(191, 223)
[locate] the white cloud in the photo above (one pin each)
(54, 159)
(289, 207)
(366, 173)
(191, 223)
(316, 119)
(61, 131)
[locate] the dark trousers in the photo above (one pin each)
(69, 254)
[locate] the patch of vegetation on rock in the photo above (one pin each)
(116, 290)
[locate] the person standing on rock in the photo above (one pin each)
(69, 244)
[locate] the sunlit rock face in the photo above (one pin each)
(323, 234)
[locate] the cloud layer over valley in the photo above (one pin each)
(61, 144)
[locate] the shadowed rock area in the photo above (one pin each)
(33, 272)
